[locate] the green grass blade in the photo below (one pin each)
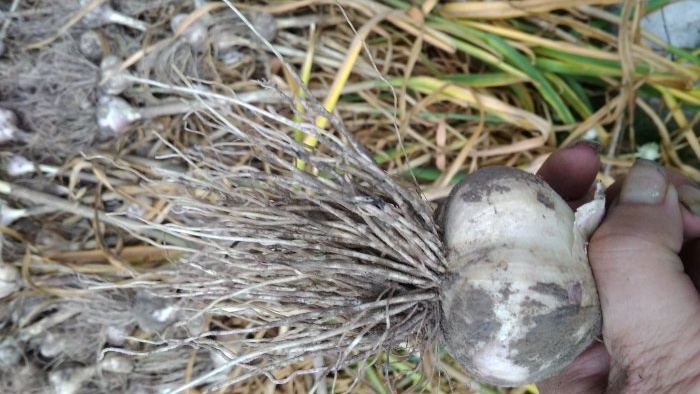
(571, 97)
(515, 58)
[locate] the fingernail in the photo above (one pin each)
(646, 183)
(595, 146)
(690, 198)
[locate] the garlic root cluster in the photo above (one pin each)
(520, 301)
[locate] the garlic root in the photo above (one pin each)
(520, 301)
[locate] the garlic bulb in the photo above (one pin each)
(117, 335)
(9, 279)
(19, 165)
(10, 215)
(115, 115)
(8, 126)
(70, 380)
(52, 345)
(520, 301)
(91, 45)
(118, 81)
(116, 363)
(196, 34)
(153, 314)
(104, 14)
(11, 354)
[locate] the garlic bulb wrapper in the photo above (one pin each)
(520, 301)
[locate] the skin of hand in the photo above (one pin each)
(645, 258)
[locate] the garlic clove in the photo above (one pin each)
(519, 302)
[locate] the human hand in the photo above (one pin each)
(645, 257)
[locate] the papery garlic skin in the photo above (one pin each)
(520, 301)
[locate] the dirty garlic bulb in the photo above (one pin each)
(520, 301)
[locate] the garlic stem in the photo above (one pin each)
(10, 215)
(20, 165)
(137, 227)
(112, 16)
(116, 115)
(166, 109)
(103, 14)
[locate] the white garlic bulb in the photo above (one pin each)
(196, 34)
(19, 165)
(70, 380)
(118, 81)
(91, 45)
(8, 126)
(153, 314)
(52, 345)
(115, 115)
(11, 354)
(104, 14)
(10, 279)
(117, 335)
(520, 301)
(116, 363)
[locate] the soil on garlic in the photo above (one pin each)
(520, 302)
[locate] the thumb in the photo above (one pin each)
(645, 294)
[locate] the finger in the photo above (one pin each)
(676, 178)
(587, 374)
(634, 257)
(690, 255)
(688, 193)
(571, 171)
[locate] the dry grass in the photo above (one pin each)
(299, 208)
